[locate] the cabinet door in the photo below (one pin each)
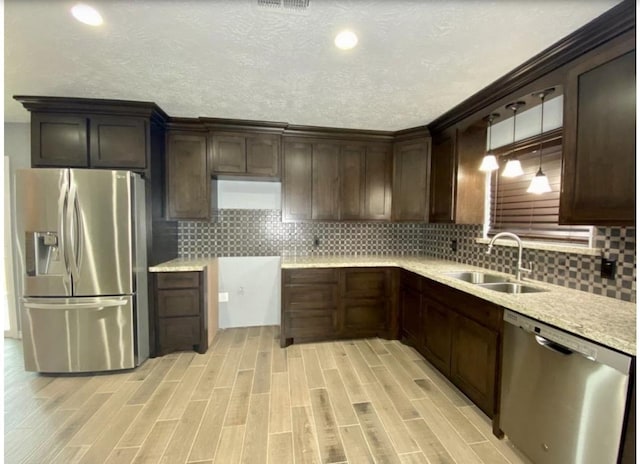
(411, 316)
(352, 159)
(118, 142)
(228, 154)
(325, 194)
(296, 181)
(598, 172)
(363, 317)
(474, 362)
(188, 181)
(436, 330)
(442, 185)
(365, 283)
(377, 183)
(263, 155)
(410, 170)
(58, 141)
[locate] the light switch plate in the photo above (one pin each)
(223, 297)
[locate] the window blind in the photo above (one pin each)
(532, 216)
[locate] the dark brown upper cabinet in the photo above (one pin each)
(245, 155)
(365, 180)
(442, 179)
(325, 186)
(296, 180)
(117, 142)
(598, 170)
(188, 179)
(410, 175)
(63, 140)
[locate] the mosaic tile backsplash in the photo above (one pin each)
(240, 232)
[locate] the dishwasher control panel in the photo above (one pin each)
(570, 342)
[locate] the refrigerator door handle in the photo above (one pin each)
(63, 202)
(93, 305)
(79, 232)
(71, 226)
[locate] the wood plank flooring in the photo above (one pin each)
(249, 401)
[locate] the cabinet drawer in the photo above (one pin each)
(178, 333)
(178, 279)
(365, 315)
(310, 276)
(364, 283)
(310, 323)
(297, 297)
(182, 302)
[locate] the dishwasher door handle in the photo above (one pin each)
(553, 346)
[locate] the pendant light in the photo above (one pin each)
(513, 167)
(540, 182)
(489, 162)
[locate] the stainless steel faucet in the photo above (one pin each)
(519, 268)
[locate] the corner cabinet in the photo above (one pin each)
(188, 180)
(442, 179)
(410, 180)
(245, 155)
(333, 303)
(598, 172)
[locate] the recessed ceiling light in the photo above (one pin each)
(346, 40)
(86, 14)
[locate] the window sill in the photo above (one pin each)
(560, 248)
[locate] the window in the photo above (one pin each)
(531, 216)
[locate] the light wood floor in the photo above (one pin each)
(247, 400)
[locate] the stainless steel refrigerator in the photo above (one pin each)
(82, 252)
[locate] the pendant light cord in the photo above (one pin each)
(514, 108)
(542, 95)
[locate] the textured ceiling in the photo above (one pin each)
(230, 59)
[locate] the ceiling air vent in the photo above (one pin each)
(284, 6)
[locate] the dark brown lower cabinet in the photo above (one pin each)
(181, 317)
(436, 330)
(456, 332)
(474, 351)
(326, 304)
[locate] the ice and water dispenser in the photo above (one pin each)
(43, 254)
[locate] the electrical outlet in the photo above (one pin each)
(223, 297)
(608, 268)
(454, 245)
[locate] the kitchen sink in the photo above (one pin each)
(511, 287)
(477, 277)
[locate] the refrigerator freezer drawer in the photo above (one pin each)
(78, 334)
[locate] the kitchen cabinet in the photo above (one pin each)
(410, 180)
(331, 180)
(330, 303)
(309, 305)
(181, 317)
(436, 328)
(188, 181)
(251, 155)
(90, 141)
(598, 171)
(442, 179)
(365, 179)
(325, 187)
(456, 332)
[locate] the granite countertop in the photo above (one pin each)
(604, 320)
(183, 265)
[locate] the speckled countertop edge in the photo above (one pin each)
(604, 320)
(183, 265)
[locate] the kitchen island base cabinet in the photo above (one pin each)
(328, 304)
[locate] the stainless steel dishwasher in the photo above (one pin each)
(563, 398)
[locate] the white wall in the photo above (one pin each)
(17, 147)
(252, 283)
